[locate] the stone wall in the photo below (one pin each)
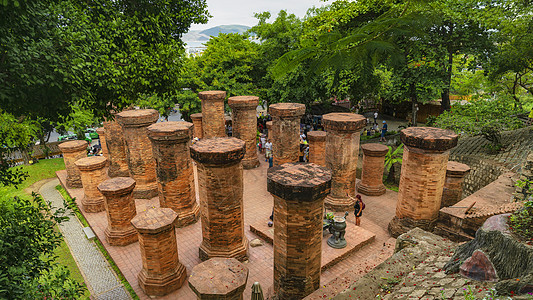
(484, 171)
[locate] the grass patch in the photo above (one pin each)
(72, 205)
(390, 186)
(44, 169)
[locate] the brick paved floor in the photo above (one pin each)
(257, 206)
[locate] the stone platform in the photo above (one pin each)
(356, 237)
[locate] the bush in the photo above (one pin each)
(521, 222)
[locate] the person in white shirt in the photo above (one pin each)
(376, 117)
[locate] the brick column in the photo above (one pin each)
(286, 131)
(317, 147)
(197, 121)
(93, 172)
(219, 278)
(139, 150)
(299, 190)
(116, 147)
(221, 190)
(162, 272)
(269, 130)
(371, 183)
(120, 209)
(245, 126)
(101, 137)
(175, 174)
(342, 152)
(213, 120)
(72, 151)
(453, 186)
(425, 158)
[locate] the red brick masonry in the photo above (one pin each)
(197, 121)
(317, 147)
(425, 158)
(73, 151)
(213, 121)
(371, 183)
(120, 209)
(342, 152)
(219, 278)
(220, 181)
(286, 131)
(299, 190)
(175, 174)
(141, 161)
(453, 186)
(93, 172)
(245, 126)
(162, 272)
(116, 147)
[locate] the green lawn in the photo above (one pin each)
(45, 169)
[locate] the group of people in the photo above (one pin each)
(265, 147)
(375, 128)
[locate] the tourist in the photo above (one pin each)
(383, 131)
(271, 161)
(263, 143)
(376, 117)
(358, 209)
(268, 150)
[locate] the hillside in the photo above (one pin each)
(204, 35)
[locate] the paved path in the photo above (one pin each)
(99, 276)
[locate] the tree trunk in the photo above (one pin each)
(445, 95)
(414, 103)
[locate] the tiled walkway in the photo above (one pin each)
(257, 206)
(99, 277)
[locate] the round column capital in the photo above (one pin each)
(316, 136)
(170, 131)
(154, 220)
(212, 95)
(219, 278)
(243, 102)
(218, 151)
(196, 116)
(137, 117)
(456, 169)
(374, 149)
(299, 181)
(100, 131)
(287, 109)
(343, 122)
(91, 163)
(73, 146)
(269, 125)
(429, 138)
(117, 186)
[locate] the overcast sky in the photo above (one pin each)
(241, 12)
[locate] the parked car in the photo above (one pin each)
(73, 136)
(92, 133)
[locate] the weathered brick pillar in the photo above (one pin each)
(453, 186)
(299, 190)
(92, 170)
(342, 152)
(197, 121)
(141, 161)
(101, 137)
(162, 272)
(425, 158)
(116, 147)
(219, 278)
(175, 174)
(221, 194)
(245, 126)
(213, 120)
(120, 209)
(371, 183)
(286, 131)
(73, 151)
(317, 147)
(269, 130)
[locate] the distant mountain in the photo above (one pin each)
(205, 35)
